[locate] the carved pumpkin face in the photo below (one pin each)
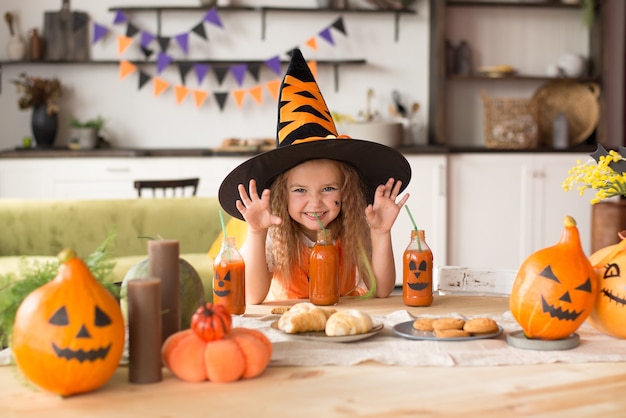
(69, 334)
(554, 290)
(417, 271)
(221, 283)
(609, 311)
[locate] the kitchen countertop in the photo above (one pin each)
(207, 152)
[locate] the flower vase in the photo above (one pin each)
(44, 126)
(608, 218)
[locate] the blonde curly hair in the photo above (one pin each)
(351, 225)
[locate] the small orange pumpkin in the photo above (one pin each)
(609, 311)
(211, 322)
(68, 334)
(554, 290)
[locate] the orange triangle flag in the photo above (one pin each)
(160, 86)
(239, 96)
(199, 96)
(123, 42)
(312, 43)
(257, 94)
(181, 93)
(126, 68)
(313, 68)
(273, 87)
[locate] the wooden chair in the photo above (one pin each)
(168, 188)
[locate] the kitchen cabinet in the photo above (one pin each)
(427, 203)
(520, 34)
(503, 207)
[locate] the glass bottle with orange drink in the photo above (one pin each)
(229, 278)
(417, 271)
(324, 270)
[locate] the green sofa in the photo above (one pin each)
(40, 229)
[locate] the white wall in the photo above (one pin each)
(136, 119)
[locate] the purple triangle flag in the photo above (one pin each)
(201, 71)
(239, 72)
(120, 17)
(327, 36)
(213, 17)
(183, 41)
(163, 60)
(99, 31)
(146, 38)
(274, 64)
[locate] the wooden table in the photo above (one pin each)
(372, 390)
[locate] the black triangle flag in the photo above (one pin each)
(221, 99)
(253, 69)
(79, 20)
(200, 31)
(164, 42)
(143, 79)
(147, 52)
(220, 72)
(183, 69)
(131, 30)
(338, 24)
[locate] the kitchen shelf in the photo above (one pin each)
(264, 10)
(551, 4)
(334, 63)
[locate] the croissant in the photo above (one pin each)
(348, 322)
(304, 317)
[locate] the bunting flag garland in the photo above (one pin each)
(163, 60)
(126, 69)
(181, 92)
(312, 43)
(238, 95)
(201, 70)
(99, 32)
(79, 21)
(146, 38)
(183, 42)
(183, 70)
(143, 79)
(160, 86)
(239, 72)
(123, 42)
(199, 96)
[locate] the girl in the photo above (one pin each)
(350, 186)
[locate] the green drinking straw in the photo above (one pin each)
(319, 221)
(224, 233)
(419, 244)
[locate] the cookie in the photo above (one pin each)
(451, 333)
(423, 324)
(480, 326)
(280, 309)
(448, 323)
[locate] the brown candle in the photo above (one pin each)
(144, 330)
(163, 260)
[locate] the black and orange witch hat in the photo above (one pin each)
(306, 131)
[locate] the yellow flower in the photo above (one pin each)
(597, 176)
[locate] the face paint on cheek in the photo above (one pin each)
(336, 203)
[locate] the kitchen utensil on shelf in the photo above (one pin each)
(66, 34)
(16, 47)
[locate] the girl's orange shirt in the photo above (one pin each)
(297, 286)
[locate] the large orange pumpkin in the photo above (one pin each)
(609, 311)
(68, 334)
(554, 290)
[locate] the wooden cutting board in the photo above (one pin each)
(66, 34)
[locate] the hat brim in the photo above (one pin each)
(375, 162)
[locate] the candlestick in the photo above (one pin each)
(144, 330)
(163, 260)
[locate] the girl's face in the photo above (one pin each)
(314, 188)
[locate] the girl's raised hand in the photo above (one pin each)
(382, 214)
(255, 210)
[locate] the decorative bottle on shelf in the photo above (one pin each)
(229, 278)
(417, 271)
(36, 46)
(324, 270)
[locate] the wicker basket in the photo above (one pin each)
(510, 123)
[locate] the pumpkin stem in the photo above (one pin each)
(569, 221)
(66, 255)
